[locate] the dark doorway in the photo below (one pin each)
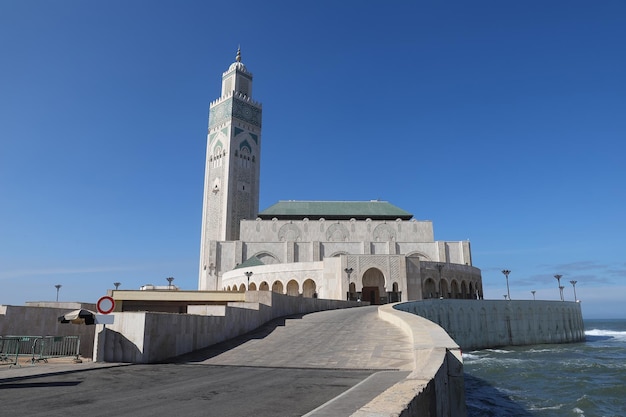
(371, 294)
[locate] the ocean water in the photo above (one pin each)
(585, 379)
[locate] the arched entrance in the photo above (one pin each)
(252, 287)
(264, 286)
(374, 287)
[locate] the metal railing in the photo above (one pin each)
(37, 348)
(9, 351)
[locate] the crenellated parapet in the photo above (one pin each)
(237, 95)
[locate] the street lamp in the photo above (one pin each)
(574, 285)
(169, 281)
(533, 291)
(117, 284)
(58, 286)
(248, 274)
(505, 296)
(558, 278)
(506, 273)
(440, 267)
(348, 271)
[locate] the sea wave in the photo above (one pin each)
(610, 333)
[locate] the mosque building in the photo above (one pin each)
(360, 250)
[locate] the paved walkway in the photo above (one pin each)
(354, 338)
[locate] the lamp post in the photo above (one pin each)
(348, 271)
(440, 267)
(574, 285)
(506, 273)
(248, 274)
(505, 296)
(558, 278)
(533, 291)
(169, 282)
(117, 284)
(58, 287)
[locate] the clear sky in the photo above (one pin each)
(502, 122)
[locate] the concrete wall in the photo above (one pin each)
(148, 337)
(436, 385)
(481, 324)
(42, 321)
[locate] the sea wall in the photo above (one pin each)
(482, 324)
(148, 337)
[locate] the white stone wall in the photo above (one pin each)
(336, 230)
(481, 324)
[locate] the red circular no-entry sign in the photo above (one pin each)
(105, 304)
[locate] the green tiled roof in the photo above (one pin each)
(252, 261)
(334, 210)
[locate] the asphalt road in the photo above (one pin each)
(288, 367)
(175, 390)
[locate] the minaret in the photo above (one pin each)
(231, 179)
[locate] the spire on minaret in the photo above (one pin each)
(238, 58)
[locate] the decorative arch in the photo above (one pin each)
(267, 258)
(395, 295)
(245, 147)
(430, 288)
(384, 233)
(289, 232)
(420, 255)
(309, 288)
(264, 286)
(338, 254)
(252, 287)
(454, 289)
(242, 288)
(464, 293)
(293, 288)
(444, 287)
(337, 232)
(277, 287)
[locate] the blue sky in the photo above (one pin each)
(502, 122)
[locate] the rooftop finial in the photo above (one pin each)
(238, 58)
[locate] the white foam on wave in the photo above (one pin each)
(551, 407)
(499, 351)
(610, 333)
(469, 356)
(540, 350)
